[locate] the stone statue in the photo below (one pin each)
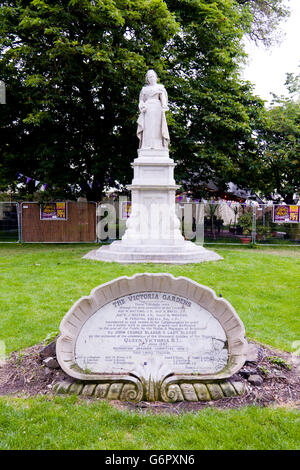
(153, 230)
(152, 128)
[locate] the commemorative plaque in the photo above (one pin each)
(137, 327)
(151, 329)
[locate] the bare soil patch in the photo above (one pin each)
(24, 374)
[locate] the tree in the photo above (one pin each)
(279, 140)
(266, 17)
(214, 113)
(73, 72)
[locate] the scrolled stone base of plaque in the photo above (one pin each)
(109, 391)
(168, 393)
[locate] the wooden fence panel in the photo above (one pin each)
(80, 225)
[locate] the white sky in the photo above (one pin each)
(267, 69)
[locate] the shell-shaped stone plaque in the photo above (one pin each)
(151, 328)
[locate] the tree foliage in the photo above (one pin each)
(279, 139)
(73, 71)
(214, 113)
(266, 17)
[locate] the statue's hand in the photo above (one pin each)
(143, 108)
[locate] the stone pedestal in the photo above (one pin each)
(153, 232)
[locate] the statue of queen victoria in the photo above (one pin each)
(152, 128)
(153, 232)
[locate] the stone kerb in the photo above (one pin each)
(102, 295)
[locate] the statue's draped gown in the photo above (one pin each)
(152, 125)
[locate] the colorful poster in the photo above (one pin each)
(61, 211)
(54, 211)
(294, 214)
(125, 209)
(286, 214)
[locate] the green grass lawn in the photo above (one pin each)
(39, 283)
(68, 423)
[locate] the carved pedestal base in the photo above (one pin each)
(198, 391)
(153, 232)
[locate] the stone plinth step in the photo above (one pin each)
(182, 254)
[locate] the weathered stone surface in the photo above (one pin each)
(252, 353)
(255, 379)
(227, 389)
(189, 392)
(215, 391)
(174, 393)
(176, 323)
(101, 390)
(202, 392)
(62, 387)
(239, 387)
(129, 393)
(51, 362)
(152, 331)
(245, 372)
(88, 390)
(48, 351)
(192, 331)
(114, 392)
(76, 388)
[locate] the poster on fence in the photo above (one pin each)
(286, 214)
(125, 209)
(53, 211)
